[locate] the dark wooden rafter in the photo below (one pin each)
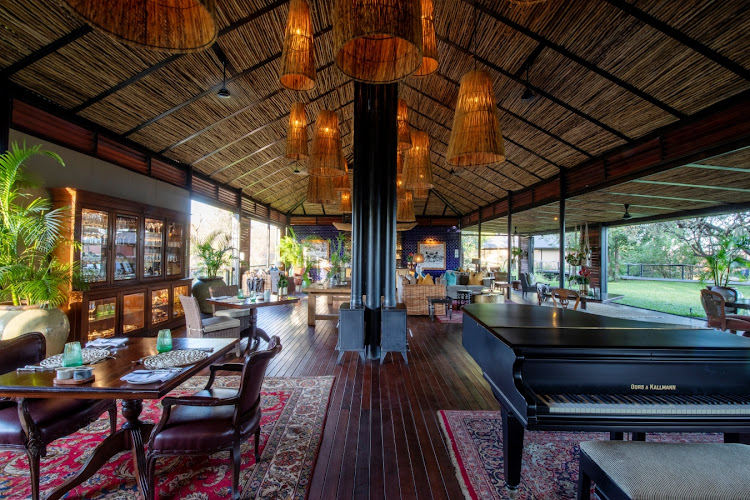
(258, 129)
(537, 90)
(169, 60)
(696, 186)
(514, 115)
(718, 167)
(43, 52)
(295, 206)
(214, 88)
(432, 120)
(530, 59)
(575, 58)
(424, 210)
(447, 203)
(682, 38)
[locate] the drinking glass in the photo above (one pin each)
(72, 354)
(164, 341)
(240, 293)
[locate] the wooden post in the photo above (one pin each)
(510, 237)
(561, 220)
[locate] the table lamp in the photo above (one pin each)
(477, 263)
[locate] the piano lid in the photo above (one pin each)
(520, 325)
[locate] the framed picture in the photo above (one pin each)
(318, 250)
(434, 255)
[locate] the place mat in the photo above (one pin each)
(90, 355)
(170, 359)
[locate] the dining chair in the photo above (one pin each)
(30, 424)
(243, 315)
(214, 419)
(729, 294)
(564, 296)
(716, 316)
(212, 328)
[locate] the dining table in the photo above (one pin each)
(107, 384)
(253, 304)
(739, 304)
(342, 291)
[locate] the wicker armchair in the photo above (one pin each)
(415, 299)
(216, 327)
(716, 316)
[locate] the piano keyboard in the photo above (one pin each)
(647, 404)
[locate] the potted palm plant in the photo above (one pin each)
(213, 252)
(34, 283)
(292, 253)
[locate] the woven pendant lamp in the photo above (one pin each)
(525, 2)
(320, 190)
(405, 208)
(417, 171)
(171, 26)
(296, 139)
(399, 163)
(476, 139)
(341, 183)
(325, 157)
(404, 131)
(429, 41)
(421, 194)
(377, 41)
(298, 53)
(345, 206)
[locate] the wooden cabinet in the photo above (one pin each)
(134, 260)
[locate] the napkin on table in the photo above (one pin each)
(111, 342)
(150, 376)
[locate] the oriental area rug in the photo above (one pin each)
(294, 412)
(550, 459)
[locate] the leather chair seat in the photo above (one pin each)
(192, 429)
(54, 418)
(232, 313)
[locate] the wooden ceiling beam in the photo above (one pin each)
(718, 167)
(682, 38)
(697, 186)
(169, 60)
(577, 59)
(536, 89)
(447, 203)
(214, 88)
(43, 52)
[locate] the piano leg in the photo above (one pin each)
(616, 436)
(512, 449)
(736, 437)
(638, 436)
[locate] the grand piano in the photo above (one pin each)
(556, 369)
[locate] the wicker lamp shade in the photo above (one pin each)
(399, 163)
(476, 139)
(525, 2)
(320, 190)
(325, 157)
(405, 208)
(296, 139)
(417, 171)
(341, 183)
(429, 41)
(404, 131)
(378, 41)
(346, 203)
(421, 194)
(298, 53)
(173, 26)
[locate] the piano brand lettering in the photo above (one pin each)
(652, 387)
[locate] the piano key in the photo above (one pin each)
(642, 404)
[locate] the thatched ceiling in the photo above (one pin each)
(605, 72)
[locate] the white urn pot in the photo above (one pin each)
(52, 323)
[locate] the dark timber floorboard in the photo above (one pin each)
(382, 436)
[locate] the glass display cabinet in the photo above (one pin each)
(133, 257)
(159, 305)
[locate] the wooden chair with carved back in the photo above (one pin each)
(562, 298)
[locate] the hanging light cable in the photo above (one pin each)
(298, 52)
(223, 92)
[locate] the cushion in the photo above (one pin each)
(427, 280)
(450, 278)
(412, 279)
(232, 313)
(463, 279)
(476, 278)
(219, 323)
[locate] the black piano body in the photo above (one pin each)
(555, 369)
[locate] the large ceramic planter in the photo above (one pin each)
(200, 291)
(52, 323)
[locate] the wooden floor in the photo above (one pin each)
(382, 438)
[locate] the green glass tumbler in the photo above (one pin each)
(164, 341)
(72, 355)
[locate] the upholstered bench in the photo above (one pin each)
(647, 470)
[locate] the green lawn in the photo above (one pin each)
(672, 297)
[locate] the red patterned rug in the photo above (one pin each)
(294, 411)
(457, 316)
(550, 459)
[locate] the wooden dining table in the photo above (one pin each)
(253, 305)
(331, 292)
(739, 304)
(107, 385)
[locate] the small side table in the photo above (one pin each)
(431, 301)
(463, 297)
(516, 285)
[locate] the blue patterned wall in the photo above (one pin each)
(409, 241)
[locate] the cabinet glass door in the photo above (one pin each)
(126, 247)
(94, 228)
(152, 247)
(174, 249)
(177, 310)
(159, 305)
(102, 317)
(133, 311)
